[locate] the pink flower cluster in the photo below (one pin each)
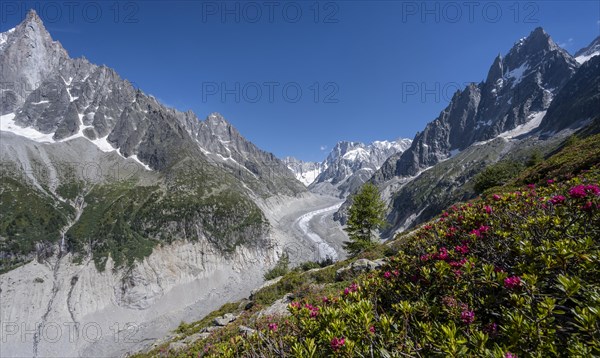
(512, 282)
(557, 199)
(587, 206)
(295, 305)
(451, 231)
(458, 263)
(463, 249)
(581, 191)
(273, 327)
(482, 230)
(510, 355)
(488, 209)
(352, 288)
(467, 317)
(442, 254)
(314, 310)
(337, 343)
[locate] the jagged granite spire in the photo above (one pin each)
(517, 85)
(496, 71)
(29, 56)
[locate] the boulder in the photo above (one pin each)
(225, 319)
(177, 346)
(358, 266)
(246, 331)
(279, 307)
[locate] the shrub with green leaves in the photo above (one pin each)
(496, 175)
(511, 274)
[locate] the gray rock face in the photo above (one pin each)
(348, 166)
(578, 100)
(28, 57)
(519, 85)
(247, 331)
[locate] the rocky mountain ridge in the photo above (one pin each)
(485, 122)
(347, 166)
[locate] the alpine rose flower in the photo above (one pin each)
(467, 317)
(581, 191)
(512, 282)
(587, 206)
(337, 343)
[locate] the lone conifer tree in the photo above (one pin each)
(365, 216)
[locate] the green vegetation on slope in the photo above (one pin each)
(514, 273)
(125, 220)
(28, 217)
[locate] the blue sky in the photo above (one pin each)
(366, 70)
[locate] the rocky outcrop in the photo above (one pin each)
(577, 102)
(357, 267)
(518, 85)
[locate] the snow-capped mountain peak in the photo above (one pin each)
(348, 165)
(588, 52)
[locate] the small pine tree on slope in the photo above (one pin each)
(365, 217)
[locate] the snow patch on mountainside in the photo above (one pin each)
(535, 119)
(354, 154)
(584, 58)
(517, 74)
(7, 124)
(308, 177)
